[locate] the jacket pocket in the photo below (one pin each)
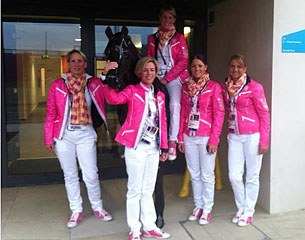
(127, 132)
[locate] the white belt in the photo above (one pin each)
(77, 127)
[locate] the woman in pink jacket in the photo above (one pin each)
(202, 114)
(144, 135)
(248, 136)
(69, 132)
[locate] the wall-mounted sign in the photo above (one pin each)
(294, 42)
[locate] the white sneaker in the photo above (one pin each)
(196, 214)
(236, 218)
(156, 233)
(244, 220)
(205, 218)
(103, 215)
(74, 219)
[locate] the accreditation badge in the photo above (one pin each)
(193, 124)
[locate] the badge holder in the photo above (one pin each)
(193, 124)
(149, 134)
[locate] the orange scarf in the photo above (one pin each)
(79, 108)
(164, 36)
(196, 86)
(233, 89)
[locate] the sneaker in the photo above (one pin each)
(103, 215)
(205, 218)
(172, 154)
(74, 219)
(134, 236)
(236, 218)
(197, 212)
(244, 220)
(156, 233)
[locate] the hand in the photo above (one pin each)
(50, 147)
(163, 81)
(211, 149)
(181, 147)
(262, 150)
(108, 66)
(163, 156)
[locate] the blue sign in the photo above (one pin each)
(294, 42)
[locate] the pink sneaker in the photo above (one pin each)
(103, 215)
(172, 153)
(205, 218)
(74, 219)
(156, 233)
(196, 214)
(134, 236)
(244, 220)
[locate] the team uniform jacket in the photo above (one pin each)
(57, 109)
(178, 56)
(211, 109)
(252, 112)
(136, 98)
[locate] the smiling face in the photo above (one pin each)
(198, 68)
(236, 69)
(167, 20)
(77, 64)
(148, 73)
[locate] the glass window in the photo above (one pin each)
(33, 55)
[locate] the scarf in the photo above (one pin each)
(79, 108)
(164, 36)
(233, 89)
(194, 87)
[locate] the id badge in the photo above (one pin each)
(231, 123)
(149, 134)
(193, 124)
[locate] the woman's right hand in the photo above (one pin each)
(50, 147)
(108, 66)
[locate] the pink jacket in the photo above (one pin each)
(178, 55)
(135, 97)
(252, 112)
(211, 109)
(58, 106)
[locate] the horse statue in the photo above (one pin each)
(122, 50)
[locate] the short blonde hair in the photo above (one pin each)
(69, 54)
(169, 9)
(141, 64)
(239, 58)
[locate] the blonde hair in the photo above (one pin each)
(239, 58)
(141, 64)
(168, 9)
(69, 54)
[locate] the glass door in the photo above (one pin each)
(33, 55)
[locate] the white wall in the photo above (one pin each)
(288, 112)
(255, 29)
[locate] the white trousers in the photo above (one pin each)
(201, 166)
(174, 91)
(243, 155)
(142, 167)
(80, 145)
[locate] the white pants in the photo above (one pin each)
(243, 153)
(174, 91)
(81, 145)
(201, 166)
(142, 167)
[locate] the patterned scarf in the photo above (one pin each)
(164, 36)
(196, 86)
(233, 89)
(79, 109)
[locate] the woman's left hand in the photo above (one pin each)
(262, 150)
(163, 156)
(163, 81)
(211, 149)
